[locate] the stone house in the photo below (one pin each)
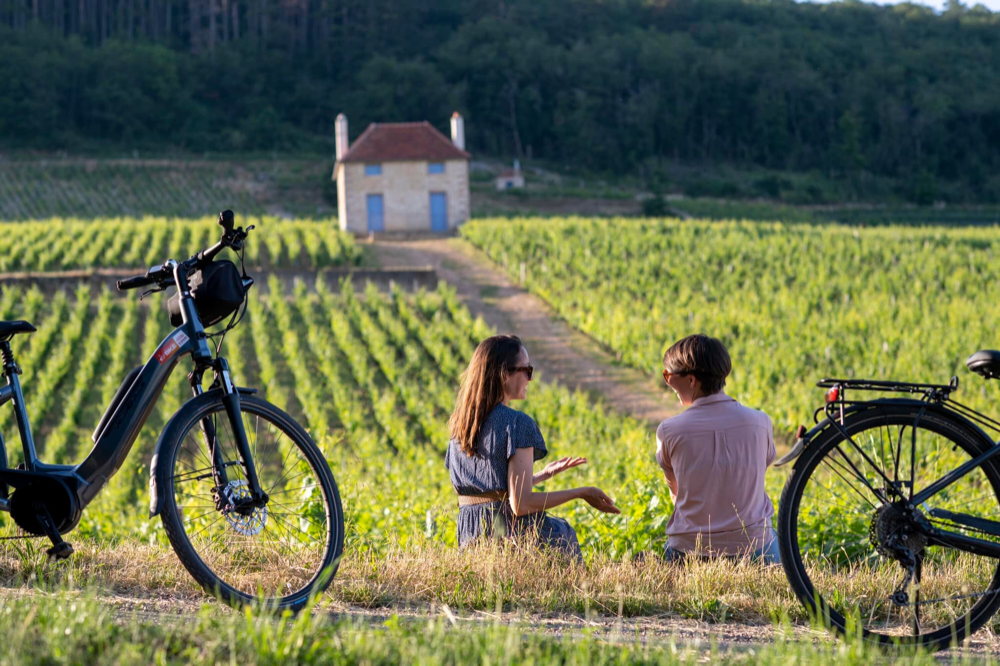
(511, 180)
(402, 177)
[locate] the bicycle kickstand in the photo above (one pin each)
(60, 550)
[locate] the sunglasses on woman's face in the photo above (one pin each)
(669, 373)
(528, 370)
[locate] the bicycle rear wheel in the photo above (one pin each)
(281, 553)
(844, 538)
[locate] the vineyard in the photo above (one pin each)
(105, 188)
(794, 303)
(372, 376)
(33, 189)
(763, 211)
(60, 244)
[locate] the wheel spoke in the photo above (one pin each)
(276, 550)
(830, 462)
(849, 539)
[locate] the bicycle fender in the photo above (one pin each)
(932, 408)
(156, 484)
(154, 491)
(800, 445)
(804, 439)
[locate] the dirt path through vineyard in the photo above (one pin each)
(559, 351)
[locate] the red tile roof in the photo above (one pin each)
(395, 142)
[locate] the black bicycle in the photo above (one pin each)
(247, 500)
(889, 523)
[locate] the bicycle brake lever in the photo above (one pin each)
(151, 291)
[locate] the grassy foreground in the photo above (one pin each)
(65, 627)
(494, 579)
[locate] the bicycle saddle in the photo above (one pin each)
(11, 328)
(985, 362)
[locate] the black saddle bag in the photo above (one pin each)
(217, 290)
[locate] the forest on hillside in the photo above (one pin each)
(610, 85)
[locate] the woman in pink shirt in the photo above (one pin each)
(714, 455)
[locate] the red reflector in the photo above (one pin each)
(833, 394)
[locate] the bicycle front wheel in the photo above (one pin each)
(279, 554)
(854, 557)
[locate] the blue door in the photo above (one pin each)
(376, 219)
(439, 211)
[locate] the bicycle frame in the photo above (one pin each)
(936, 398)
(114, 441)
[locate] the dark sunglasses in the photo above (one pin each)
(526, 369)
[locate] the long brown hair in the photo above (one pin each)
(482, 387)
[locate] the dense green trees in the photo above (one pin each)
(847, 88)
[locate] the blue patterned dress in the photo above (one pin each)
(504, 431)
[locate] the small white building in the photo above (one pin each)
(402, 177)
(510, 180)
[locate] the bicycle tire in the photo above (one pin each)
(188, 418)
(878, 413)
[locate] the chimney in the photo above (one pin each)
(343, 143)
(458, 130)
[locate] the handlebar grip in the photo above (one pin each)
(134, 282)
(227, 220)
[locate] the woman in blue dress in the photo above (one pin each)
(493, 449)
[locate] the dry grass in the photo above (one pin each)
(486, 578)
(649, 597)
(495, 576)
(519, 578)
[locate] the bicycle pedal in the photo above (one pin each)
(60, 551)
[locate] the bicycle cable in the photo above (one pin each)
(238, 315)
(958, 598)
(22, 536)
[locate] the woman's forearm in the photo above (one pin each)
(532, 502)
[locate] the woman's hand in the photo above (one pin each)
(556, 467)
(596, 498)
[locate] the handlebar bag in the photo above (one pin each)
(217, 290)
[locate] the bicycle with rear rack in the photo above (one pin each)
(246, 498)
(889, 522)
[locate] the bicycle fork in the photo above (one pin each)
(231, 401)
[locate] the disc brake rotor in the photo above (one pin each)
(237, 492)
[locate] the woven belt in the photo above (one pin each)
(487, 498)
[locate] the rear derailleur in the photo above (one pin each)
(895, 533)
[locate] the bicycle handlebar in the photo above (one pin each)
(135, 282)
(231, 238)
